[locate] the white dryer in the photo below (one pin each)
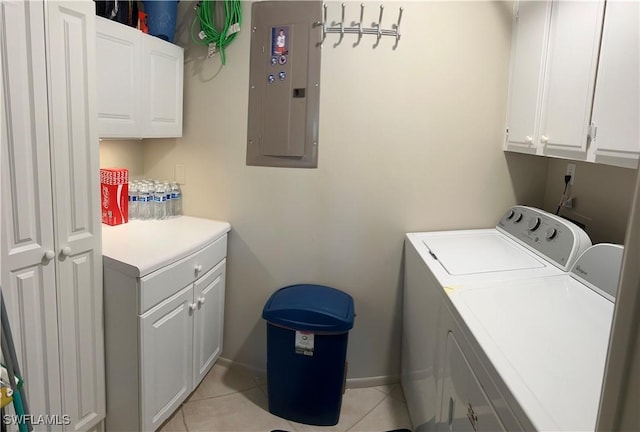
(526, 243)
(543, 343)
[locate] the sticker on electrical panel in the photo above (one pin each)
(304, 343)
(279, 41)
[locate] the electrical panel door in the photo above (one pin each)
(284, 84)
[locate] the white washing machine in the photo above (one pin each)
(526, 243)
(544, 342)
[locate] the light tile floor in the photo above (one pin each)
(232, 400)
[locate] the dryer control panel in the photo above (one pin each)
(546, 234)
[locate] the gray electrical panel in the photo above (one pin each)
(284, 84)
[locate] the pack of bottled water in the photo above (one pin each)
(154, 199)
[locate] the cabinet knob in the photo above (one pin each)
(544, 139)
(66, 251)
(49, 255)
(192, 307)
(528, 139)
(201, 301)
(198, 268)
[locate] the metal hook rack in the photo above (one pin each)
(356, 27)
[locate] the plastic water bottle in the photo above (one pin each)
(168, 203)
(133, 201)
(144, 202)
(160, 200)
(176, 199)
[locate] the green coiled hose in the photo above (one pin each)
(209, 33)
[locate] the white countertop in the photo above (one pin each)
(138, 248)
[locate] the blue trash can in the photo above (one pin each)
(307, 333)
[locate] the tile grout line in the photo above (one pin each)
(221, 395)
(184, 420)
(367, 413)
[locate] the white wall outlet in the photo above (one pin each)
(571, 170)
(179, 175)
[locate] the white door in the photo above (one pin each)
(465, 406)
(28, 272)
(209, 319)
(166, 358)
(574, 40)
(528, 48)
(70, 28)
(616, 105)
(119, 51)
(162, 77)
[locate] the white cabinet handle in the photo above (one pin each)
(193, 307)
(66, 251)
(528, 139)
(201, 301)
(544, 139)
(49, 255)
(198, 268)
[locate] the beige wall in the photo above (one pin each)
(127, 154)
(409, 140)
(602, 197)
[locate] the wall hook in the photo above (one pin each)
(397, 27)
(323, 23)
(379, 26)
(341, 27)
(359, 25)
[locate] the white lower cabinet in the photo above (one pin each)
(181, 339)
(178, 311)
(167, 349)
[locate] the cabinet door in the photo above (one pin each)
(166, 358)
(574, 41)
(70, 28)
(209, 319)
(119, 51)
(28, 275)
(163, 66)
(616, 109)
(528, 47)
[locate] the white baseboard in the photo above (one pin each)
(261, 374)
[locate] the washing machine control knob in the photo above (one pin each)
(510, 214)
(534, 223)
(551, 233)
(517, 218)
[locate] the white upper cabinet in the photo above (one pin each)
(572, 57)
(163, 71)
(119, 65)
(575, 81)
(616, 106)
(529, 41)
(140, 83)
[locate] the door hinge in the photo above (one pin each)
(593, 130)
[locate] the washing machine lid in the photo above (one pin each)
(474, 253)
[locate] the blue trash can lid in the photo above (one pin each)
(313, 308)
